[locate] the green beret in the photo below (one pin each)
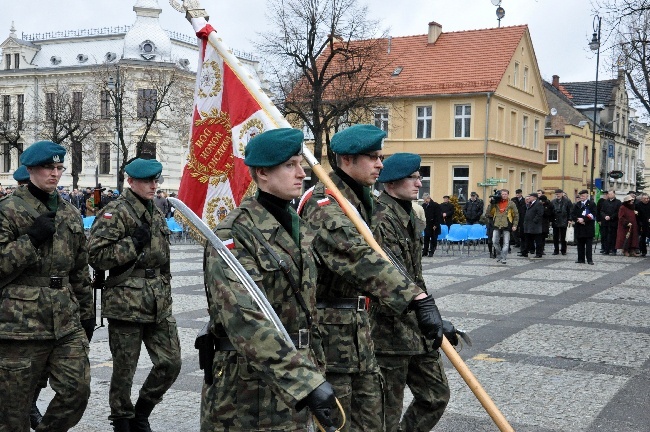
(144, 168)
(399, 166)
(358, 139)
(42, 153)
(273, 147)
(21, 174)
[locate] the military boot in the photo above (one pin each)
(140, 423)
(121, 425)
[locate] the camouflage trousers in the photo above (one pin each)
(362, 400)
(23, 364)
(125, 340)
(426, 378)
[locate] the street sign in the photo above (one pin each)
(615, 174)
(496, 180)
(482, 184)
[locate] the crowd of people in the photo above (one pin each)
(525, 222)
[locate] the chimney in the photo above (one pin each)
(435, 30)
(556, 81)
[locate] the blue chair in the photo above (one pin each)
(476, 234)
(88, 222)
(457, 234)
(177, 230)
(442, 237)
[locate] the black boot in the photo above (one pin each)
(121, 425)
(35, 417)
(140, 423)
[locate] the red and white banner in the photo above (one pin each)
(226, 116)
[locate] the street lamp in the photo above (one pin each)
(114, 86)
(594, 45)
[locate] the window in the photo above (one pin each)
(513, 126)
(425, 173)
(105, 104)
(381, 119)
(626, 177)
(460, 182)
(515, 81)
(525, 88)
(6, 157)
(147, 100)
(21, 110)
(623, 124)
(6, 107)
(148, 150)
(552, 153)
(49, 106)
(619, 161)
(462, 120)
(536, 135)
(7, 61)
(522, 181)
(524, 131)
(16, 61)
(585, 156)
(104, 158)
(575, 154)
(77, 102)
(501, 123)
(424, 121)
(533, 182)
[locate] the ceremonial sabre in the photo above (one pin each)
(231, 261)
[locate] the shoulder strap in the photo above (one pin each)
(287, 271)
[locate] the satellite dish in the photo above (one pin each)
(496, 2)
(553, 111)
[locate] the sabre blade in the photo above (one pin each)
(232, 262)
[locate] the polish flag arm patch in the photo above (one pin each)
(230, 244)
(108, 215)
(323, 202)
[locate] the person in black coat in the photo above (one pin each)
(520, 202)
(533, 219)
(446, 211)
(608, 218)
(584, 217)
(432, 227)
(643, 219)
(547, 218)
(473, 209)
(562, 208)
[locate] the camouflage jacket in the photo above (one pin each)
(30, 309)
(398, 334)
(348, 267)
(263, 360)
(110, 247)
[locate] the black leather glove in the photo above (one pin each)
(89, 327)
(141, 237)
(429, 319)
(320, 402)
(450, 332)
(42, 229)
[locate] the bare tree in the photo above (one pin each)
(325, 63)
(144, 102)
(71, 119)
(13, 127)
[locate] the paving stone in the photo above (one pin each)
(468, 270)
(562, 275)
(434, 282)
(183, 266)
(545, 288)
(640, 295)
(469, 303)
(598, 266)
(465, 324)
(585, 344)
(511, 261)
(618, 314)
(640, 280)
(179, 281)
(177, 256)
(187, 302)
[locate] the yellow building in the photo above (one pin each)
(472, 104)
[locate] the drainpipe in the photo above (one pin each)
(485, 147)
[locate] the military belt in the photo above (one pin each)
(361, 303)
(54, 282)
(301, 340)
(147, 273)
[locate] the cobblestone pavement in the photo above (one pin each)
(559, 346)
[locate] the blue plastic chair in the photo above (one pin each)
(457, 234)
(442, 237)
(476, 234)
(175, 228)
(88, 222)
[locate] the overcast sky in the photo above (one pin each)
(560, 29)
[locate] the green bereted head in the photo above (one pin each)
(21, 174)
(42, 153)
(144, 169)
(273, 147)
(399, 166)
(358, 139)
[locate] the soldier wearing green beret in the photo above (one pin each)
(260, 382)
(352, 276)
(46, 309)
(405, 357)
(21, 175)
(130, 239)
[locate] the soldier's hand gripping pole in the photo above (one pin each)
(198, 16)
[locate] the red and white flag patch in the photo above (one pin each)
(323, 202)
(108, 215)
(230, 244)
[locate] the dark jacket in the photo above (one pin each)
(534, 218)
(547, 217)
(609, 208)
(449, 209)
(473, 210)
(433, 216)
(626, 216)
(581, 210)
(521, 207)
(643, 218)
(561, 212)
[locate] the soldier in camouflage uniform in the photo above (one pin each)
(352, 274)
(130, 238)
(405, 357)
(46, 298)
(260, 382)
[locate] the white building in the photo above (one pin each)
(34, 68)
